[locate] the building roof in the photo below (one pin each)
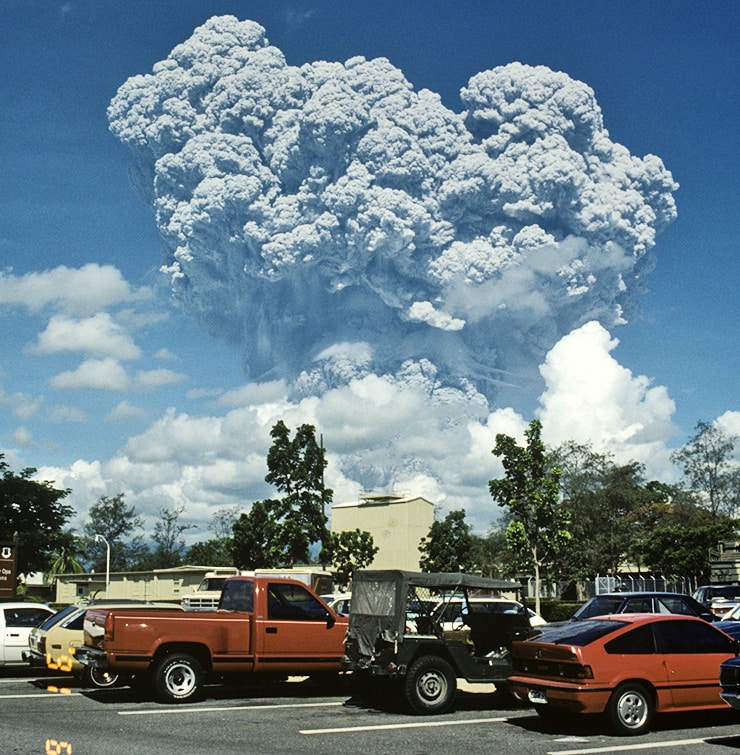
(381, 499)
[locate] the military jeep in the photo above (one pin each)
(399, 645)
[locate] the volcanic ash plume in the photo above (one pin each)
(332, 221)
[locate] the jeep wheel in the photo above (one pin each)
(430, 685)
(177, 678)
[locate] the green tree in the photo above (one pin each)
(347, 551)
(169, 543)
(217, 550)
(66, 558)
(492, 554)
(709, 468)
(603, 501)
(682, 551)
(538, 530)
(296, 469)
(666, 507)
(582, 471)
(449, 546)
(120, 526)
(256, 543)
(35, 511)
(209, 553)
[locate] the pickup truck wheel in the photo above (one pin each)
(177, 678)
(430, 685)
(100, 678)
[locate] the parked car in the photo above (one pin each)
(451, 614)
(718, 598)
(733, 614)
(627, 667)
(729, 680)
(339, 601)
(729, 627)
(16, 622)
(52, 644)
(642, 602)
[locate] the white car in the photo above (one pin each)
(16, 622)
(732, 614)
(451, 614)
(338, 601)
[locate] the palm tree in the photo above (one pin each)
(64, 561)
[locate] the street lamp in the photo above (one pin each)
(98, 538)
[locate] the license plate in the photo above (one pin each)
(537, 696)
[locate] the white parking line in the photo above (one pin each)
(222, 709)
(630, 748)
(420, 725)
(39, 695)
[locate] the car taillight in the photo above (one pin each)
(108, 627)
(553, 668)
(583, 672)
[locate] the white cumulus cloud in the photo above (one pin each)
(97, 336)
(98, 374)
(79, 291)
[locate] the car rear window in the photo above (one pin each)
(599, 606)
(580, 633)
(728, 592)
(639, 641)
(55, 618)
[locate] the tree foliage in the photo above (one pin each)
(449, 546)
(281, 531)
(708, 467)
(296, 468)
(121, 527)
(66, 557)
(256, 543)
(168, 540)
(603, 501)
(538, 530)
(347, 551)
(676, 550)
(492, 555)
(217, 551)
(35, 511)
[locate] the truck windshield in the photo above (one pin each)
(211, 584)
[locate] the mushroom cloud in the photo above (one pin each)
(334, 223)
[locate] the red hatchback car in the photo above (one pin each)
(627, 666)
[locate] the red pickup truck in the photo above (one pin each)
(262, 626)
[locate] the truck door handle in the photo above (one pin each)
(270, 630)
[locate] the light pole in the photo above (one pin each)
(98, 538)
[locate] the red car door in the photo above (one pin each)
(692, 652)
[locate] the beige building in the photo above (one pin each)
(156, 585)
(396, 522)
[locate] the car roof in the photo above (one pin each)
(634, 618)
(25, 604)
(632, 594)
(483, 599)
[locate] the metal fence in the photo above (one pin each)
(604, 584)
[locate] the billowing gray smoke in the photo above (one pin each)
(332, 220)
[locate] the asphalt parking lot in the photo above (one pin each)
(53, 714)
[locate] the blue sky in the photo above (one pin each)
(107, 386)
